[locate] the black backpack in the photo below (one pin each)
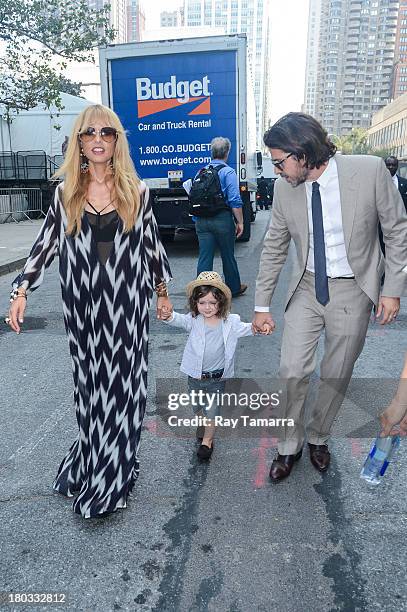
(206, 198)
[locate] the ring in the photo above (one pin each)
(7, 320)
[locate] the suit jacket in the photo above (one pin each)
(368, 195)
(403, 189)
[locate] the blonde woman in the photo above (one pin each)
(110, 261)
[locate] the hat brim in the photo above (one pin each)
(206, 283)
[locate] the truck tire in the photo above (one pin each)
(247, 215)
(167, 235)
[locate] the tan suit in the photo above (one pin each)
(367, 195)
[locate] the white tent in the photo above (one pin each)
(35, 129)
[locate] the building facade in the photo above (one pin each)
(311, 70)
(356, 42)
(136, 21)
(400, 54)
(172, 19)
(118, 16)
(389, 128)
(235, 16)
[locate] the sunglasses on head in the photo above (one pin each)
(107, 134)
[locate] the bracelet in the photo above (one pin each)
(16, 293)
(161, 289)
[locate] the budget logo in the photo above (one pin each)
(157, 97)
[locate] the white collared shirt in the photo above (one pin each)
(395, 180)
(336, 259)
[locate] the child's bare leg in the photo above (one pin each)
(209, 434)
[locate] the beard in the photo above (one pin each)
(301, 177)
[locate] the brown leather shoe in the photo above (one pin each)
(320, 456)
(241, 291)
(282, 466)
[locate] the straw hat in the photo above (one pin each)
(213, 280)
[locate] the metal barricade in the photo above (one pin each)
(17, 204)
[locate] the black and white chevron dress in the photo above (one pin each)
(106, 318)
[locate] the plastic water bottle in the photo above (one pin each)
(379, 458)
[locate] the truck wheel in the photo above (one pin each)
(247, 213)
(168, 236)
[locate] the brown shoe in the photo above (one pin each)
(282, 466)
(320, 456)
(241, 291)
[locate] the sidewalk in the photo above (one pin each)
(16, 240)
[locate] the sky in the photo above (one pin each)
(288, 48)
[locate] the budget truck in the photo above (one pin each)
(173, 97)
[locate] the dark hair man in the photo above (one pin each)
(330, 205)
(392, 165)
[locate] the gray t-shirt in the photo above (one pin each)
(214, 352)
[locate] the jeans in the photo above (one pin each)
(218, 231)
(212, 387)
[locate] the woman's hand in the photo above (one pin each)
(16, 313)
(164, 308)
(395, 414)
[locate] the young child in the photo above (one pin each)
(210, 350)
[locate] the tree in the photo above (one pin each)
(69, 87)
(39, 38)
(356, 143)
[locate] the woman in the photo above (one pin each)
(110, 260)
(394, 419)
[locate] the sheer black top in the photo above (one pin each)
(104, 229)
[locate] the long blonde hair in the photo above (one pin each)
(125, 180)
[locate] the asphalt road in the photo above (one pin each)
(217, 537)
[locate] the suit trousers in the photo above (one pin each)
(345, 320)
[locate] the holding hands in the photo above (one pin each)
(263, 323)
(164, 308)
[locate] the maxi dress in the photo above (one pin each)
(106, 319)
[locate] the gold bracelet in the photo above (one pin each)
(162, 293)
(161, 289)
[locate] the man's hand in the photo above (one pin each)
(239, 229)
(164, 308)
(263, 323)
(387, 308)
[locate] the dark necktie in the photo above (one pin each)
(321, 278)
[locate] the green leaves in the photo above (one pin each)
(37, 39)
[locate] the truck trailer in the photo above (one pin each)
(173, 97)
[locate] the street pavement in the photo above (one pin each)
(196, 537)
(16, 240)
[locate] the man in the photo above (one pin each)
(220, 230)
(262, 191)
(330, 206)
(392, 165)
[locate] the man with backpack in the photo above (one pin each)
(215, 203)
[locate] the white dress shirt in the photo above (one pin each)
(336, 259)
(395, 180)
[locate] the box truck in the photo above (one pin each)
(173, 97)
